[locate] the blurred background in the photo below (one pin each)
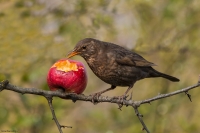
(36, 33)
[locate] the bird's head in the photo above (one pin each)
(85, 48)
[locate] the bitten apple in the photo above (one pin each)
(69, 75)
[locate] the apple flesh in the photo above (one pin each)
(68, 75)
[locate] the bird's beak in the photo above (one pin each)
(72, 53)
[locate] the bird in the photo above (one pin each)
(115, 65)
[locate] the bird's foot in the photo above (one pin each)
(121, 100)
(95, 95)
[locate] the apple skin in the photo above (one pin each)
(68, 75)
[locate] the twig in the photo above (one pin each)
(49, 99)
(5, 85)
(161, 96)
(189, 96)
(140, 119)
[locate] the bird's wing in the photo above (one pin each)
(132, 59)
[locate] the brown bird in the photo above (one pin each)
(115, 65)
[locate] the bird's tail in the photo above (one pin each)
(171, 78)
(155, 73)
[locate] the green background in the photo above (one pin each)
(36, 33)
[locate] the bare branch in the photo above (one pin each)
(161, 96)
(81, 97)
(5, 85)
(140, 119)
(49, 99)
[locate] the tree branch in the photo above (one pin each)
(161, 96)
(49, 99)
(140, 119)
(5, 85)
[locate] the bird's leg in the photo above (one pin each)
(123, 97)
(131, 96)
(101, 92)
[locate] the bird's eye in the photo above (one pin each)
(84, 47)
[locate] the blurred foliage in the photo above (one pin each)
(36, 33)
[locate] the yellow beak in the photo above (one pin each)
(71, 54)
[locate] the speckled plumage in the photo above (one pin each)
(114, 64)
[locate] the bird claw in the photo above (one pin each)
(95, 95)
(121, 100)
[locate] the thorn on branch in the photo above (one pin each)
(62, 126)
(188, 95)
(71, 96)
(74, 100)
(139, 115)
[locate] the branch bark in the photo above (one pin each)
(5, 85)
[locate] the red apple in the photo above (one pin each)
(69, 75)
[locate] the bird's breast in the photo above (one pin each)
(110, 72)
(102, 67)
